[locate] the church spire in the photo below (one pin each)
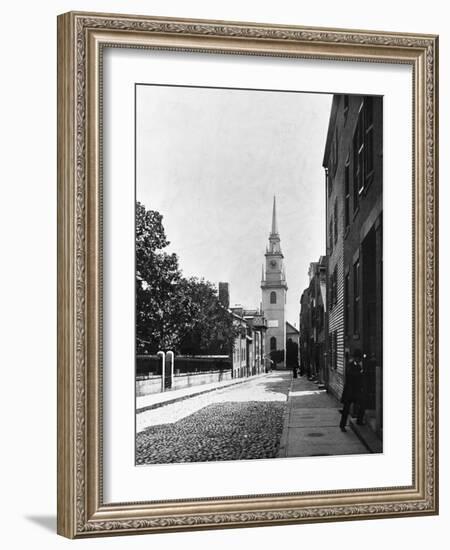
(274, 237)
(274, 217)
(273, 274)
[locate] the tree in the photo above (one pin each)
(209, 330)
(157, 277)
(173, 312)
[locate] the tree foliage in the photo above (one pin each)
(157, 278)
(209, 330)
(173, 312)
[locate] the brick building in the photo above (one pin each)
(313, 322)
(354, 173)
(336, 149)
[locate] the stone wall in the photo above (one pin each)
(153, 384)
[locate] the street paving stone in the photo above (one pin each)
(273, 387)
(223, 431)
(244, 422)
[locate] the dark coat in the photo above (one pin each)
(353, 383)
(367, 379)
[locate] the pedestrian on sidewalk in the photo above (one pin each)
(368, 367)
(352, 387)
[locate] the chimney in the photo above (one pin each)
(224, 295)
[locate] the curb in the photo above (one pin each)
(367, 437)
(282, 448)
(196, 394)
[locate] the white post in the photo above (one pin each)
(163, 370)
(171, 357)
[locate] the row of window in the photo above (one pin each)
(333, 288)
(349, 308)
(317, 317)
(355, 307)
(333, 349)
(363, 168)
(239, 353)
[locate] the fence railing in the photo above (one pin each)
(148, 366)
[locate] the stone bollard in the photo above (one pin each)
(163, 369)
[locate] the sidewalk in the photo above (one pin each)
(311, 426)
(155, 400)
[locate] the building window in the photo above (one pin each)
(356, 296)
(363, 158)
(368, 139)
(320, 310)
(273, 297)
(330, 234)
(331, 350)
(347, 193)
(333, 287)
(347, 302)
(331, 292)
(335, 152)
(358, 163)
(335, 349)
(345, 108)
(335, 222)
(273, 343)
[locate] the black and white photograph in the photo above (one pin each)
(259, 274)
(224, 227)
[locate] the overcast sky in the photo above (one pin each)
(211, 160)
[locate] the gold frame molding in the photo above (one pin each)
(81, 37)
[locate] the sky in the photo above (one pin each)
(211, 160)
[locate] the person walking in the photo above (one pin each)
(352, 387)
(367, 373)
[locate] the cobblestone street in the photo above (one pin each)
(241, 422)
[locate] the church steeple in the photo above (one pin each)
(274, 268)
(274, 289)
(274, 237)
(274, 218)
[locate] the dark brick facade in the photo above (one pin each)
(353, 162)
(313, 328)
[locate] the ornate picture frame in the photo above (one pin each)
(82, 38)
